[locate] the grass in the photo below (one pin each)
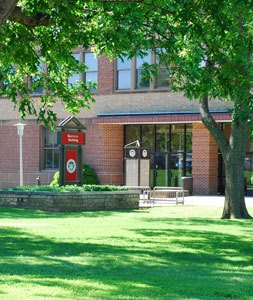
(162, 253)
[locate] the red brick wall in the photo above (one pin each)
(104, 152)
(9, 145)
(9, 148)
(204, 161)
(9, 155)
(105, 75)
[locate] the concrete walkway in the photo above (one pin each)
(212, 200)
(194, 200)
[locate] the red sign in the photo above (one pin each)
(72, 138)
(71, 165)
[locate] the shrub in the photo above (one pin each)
(89, 176)
(55, 181)
(67, 188)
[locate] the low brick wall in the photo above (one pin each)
(60, 202)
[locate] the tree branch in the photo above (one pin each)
(39, 20)
(6, 9)
(211, 125)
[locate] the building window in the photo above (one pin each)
(75, 76)
(91, 73)
(131, 74)
(50, 149)
(124, 74)
(142, 77)
(162, 79)
(248, 167)
(35, 83)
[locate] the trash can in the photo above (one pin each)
(187, 184)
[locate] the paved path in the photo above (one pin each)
(197, 200)
(212, 200)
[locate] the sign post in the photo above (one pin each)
(71, 138)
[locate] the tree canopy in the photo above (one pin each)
(193, 34)
(207, 46)
(36, 42)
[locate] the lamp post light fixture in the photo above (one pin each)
(20, 128)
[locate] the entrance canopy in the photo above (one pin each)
(71, 123)
(157, 117)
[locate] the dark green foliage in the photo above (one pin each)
(67, 188)
(89, 176)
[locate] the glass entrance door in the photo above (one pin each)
(166, 169)
(160, 172)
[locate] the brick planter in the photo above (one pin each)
(60, 202)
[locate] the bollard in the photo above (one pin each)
(38, 180)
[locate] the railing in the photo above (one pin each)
(167, 193)
(159, 193)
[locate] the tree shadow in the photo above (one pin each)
(20, 213)
(196, 221)
(152, 269)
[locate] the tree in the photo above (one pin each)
(36, 42)
(208, 49)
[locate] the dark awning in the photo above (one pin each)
(157, 117)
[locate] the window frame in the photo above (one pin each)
(82, 75)
(29, 80)
(133, 80)
(120, 70)
(45, 147)
(88, 71)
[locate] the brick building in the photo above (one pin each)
(128, 107)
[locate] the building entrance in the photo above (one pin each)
(170, 151)
(167, 169)
(160, 174)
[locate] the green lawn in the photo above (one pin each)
(178, 252)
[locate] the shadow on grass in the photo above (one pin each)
(201, 269)
(198, 221)
(20, 213)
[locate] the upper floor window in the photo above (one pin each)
(132, 74)
(142, 77)
(34, 83)
(75, 76)
(124, 74)
(162, 79)
(91, 73)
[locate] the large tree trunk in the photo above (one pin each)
(233, 152)
(234, 166)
